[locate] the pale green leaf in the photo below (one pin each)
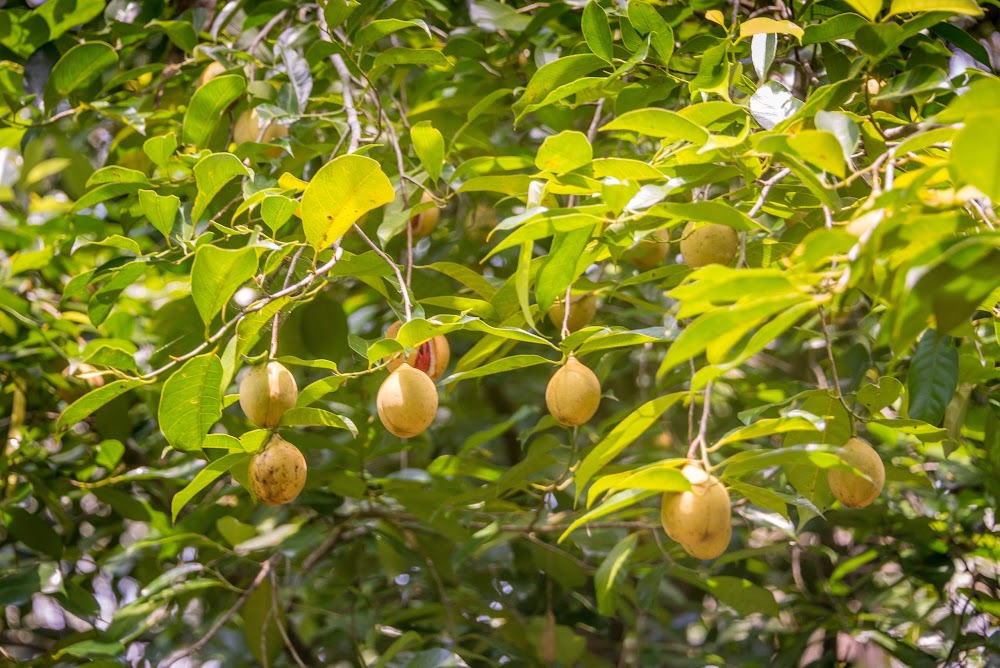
(217, 274)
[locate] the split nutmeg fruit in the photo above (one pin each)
(699, 519)
(573, 393)
(266, 392)
(407, 402)
(431, 357)
(277, 472)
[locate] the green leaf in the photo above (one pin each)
(160, 149)
(966, 7)
(772, 103)
(562, 266)
(876, 396)
(191, 402)
(765, 427)
(504, 365)
(619, 501)
(975, 155)
(741, 595)
(276, 210)
(660, 477)
(610, 572)
(564, 152)
(160, 210)
(647, 21)
(626, 431)
(597, 31)
(707, 211)
(78, 67)
(867, 8)
(763, 25)
(90, 402)
(316, 417)
(661, 123)
(211, 174)
(395, 56)
(821, 149)
(554, 74)
(338, 195)
(841, 26)
(933, 377)
(217, 274)
(763, 48)
(208, 103)
(261, 619)
(205, 477)
(376, 30)
(429, 147)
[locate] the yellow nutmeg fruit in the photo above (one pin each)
(431, 357)
(277, 472)
(699, 519)
(650, 252)
(851, 489)
(248, 129)
(582, 309)
(573, 393)
(266, 392)
(424, 222)
(407, 402)
(212, 70)
(708, 244)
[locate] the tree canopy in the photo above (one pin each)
(569, 333)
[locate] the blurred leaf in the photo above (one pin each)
(429, 147)
(610, 572)
(205, 477)
(933, 377)
(77, 68)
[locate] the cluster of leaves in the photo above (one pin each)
(146, 256)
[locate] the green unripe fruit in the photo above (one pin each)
(708, 244)
(266, 392)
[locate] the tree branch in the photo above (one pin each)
(403, 291)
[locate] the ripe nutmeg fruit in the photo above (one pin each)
(407, 402)
(277, 472)
(266, 392)
(212, 70)
(848, 487)
(699, 519)
(431, 356)
(650, 252)
(248, 129)
(573, 393)
(424, 222)
(582, 309)
(710, 243)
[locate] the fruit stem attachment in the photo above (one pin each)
(276, 324)
(699, 442)
(566, 301)
(403, 291)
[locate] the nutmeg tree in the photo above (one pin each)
(570, 333)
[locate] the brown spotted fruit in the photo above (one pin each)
(407, 402)
(573, 393)
(582, 309)
(851, 489)
(277, 472)
(709, 243)
(699, 519)
(431, 356)
(423, 223)
(266, 392)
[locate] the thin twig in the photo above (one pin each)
(281, 627)
(700, 440)
(403, 291)
(219, 623)
(259, 37)
(833, 367)
(277, 316)
(401, 167)
(758, 205)
(566, 302)
(253, 308)
(596, 122)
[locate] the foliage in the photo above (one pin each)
(146, 253)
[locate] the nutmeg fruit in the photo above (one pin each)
(212, 70)
(248, 129)
(582, 309)
(710, 243)
(650, 252)
(407, 402)
(699, 519)
(431, 356)
(573, 393)
(848, 487)
(277, 472)
(423, 223)
(266, 392)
